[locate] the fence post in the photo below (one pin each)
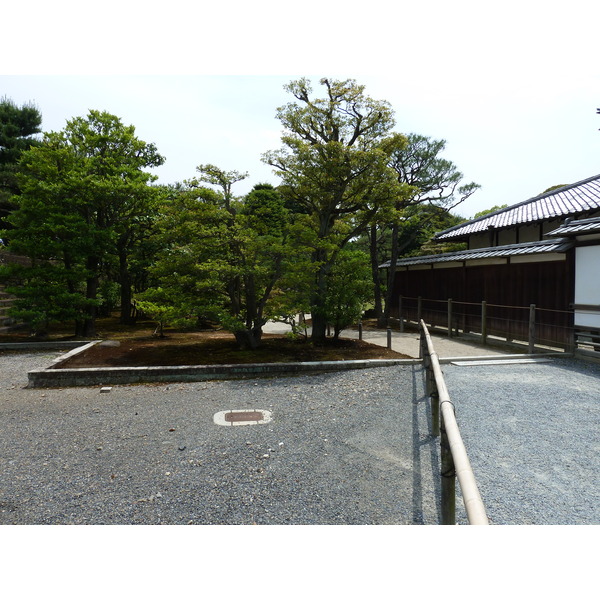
(435, 412)
(360, 327)
(449, 317)
(400, 314)
(419, 309)
(389, 338)
(448, 473)
(531, 328)
(484, 321)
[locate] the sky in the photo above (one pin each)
(513, 91)
(512, 87)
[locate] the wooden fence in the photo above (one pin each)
(531, 324)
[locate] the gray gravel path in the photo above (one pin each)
(342, 448)
(532, 436)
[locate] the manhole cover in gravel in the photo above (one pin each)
(242, 417)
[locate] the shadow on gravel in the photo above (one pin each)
(422, 438)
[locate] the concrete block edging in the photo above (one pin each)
(56, 377)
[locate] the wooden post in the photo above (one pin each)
(531, 328)
(400, 314)
(419, 309)
(484, 322)
(448, 473)
(389, 338)
(421, 343)
(435, 412)
(449, 317)
(360, 330)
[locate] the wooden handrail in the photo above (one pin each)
(455, 462)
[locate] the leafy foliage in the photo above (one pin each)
(221, 259)
(435, 185)
(19, 127)
(334, 171)
(84, 192)
(350, 289)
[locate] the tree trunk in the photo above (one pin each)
(248, 339)
(378, 308)
(126, 317)
(91, 293)
(318, 302)
(383, 321)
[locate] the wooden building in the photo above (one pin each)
(516, 257)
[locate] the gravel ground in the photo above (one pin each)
(531, 433)
(342, 448)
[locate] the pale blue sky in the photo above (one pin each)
(513, 92)
(514, 140)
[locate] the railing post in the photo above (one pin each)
(448, 473)
(400, 314)
(484, 322)
(389, 338)
(435, 412)
(360, 330)
(419, 309)
(449, 317)
(531, 328)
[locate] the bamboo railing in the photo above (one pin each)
(454, 460)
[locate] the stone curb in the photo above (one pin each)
(18, 346)
(53, 377)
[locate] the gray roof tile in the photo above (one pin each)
(572, 228)
(543, 247)
(573, 199)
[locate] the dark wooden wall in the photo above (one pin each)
(548, 285)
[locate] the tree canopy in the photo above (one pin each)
(19, 126)
(435, 182)
(84, 190)
(334, 170)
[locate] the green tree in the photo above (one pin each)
(224, 180)
(221, 259)
(350, 289)
(420, 224)
(435, 182)
(335, 173)
(83, 191)
(19, 126)
(488, 211)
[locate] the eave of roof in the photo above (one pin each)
(572, 228)
(529, 248)
(577, 198)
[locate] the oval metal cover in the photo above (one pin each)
(242, 417)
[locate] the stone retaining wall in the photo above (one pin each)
(53, 377)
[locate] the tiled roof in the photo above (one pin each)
(574, 199)
(572, 228)
(543, 247)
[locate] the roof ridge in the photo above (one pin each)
(518, 205)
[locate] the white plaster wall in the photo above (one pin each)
(587, 319)
(587, 275)
(587, 285)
